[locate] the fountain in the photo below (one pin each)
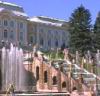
(12, 68)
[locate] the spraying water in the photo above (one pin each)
(13, 71)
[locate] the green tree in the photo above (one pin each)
(80, 30)
(97, 33)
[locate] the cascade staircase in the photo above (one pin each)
(79, 77)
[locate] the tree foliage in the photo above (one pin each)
(97, 32)
(80, 30)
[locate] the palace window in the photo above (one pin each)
(49, 32)
(31, 39)
(45, 77)
(56, 43)
(11, 34)
(41, 41)
(5, 34)
(5, 23)
(12, 24)
(54, 80)
(49, 42)
(21, 35)
(21, 25)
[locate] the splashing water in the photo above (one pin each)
(13, 71)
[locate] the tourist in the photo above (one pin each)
(75, 92)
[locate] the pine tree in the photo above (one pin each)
(80, 30)
(97, 33)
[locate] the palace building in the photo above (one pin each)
(16, 27)
(47, 32)
(13, 23)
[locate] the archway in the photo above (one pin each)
(54, 80)
(37, 73)
(64, 84)
(45, 77)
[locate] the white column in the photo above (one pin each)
(60, 39)
(37, 34)
(53, 39)
(25, 33)
(16, 32)
(45, 38)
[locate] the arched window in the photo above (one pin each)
(11, 35)
(64, 84)
(37, 73)
(5, 23)
(41, 41)
(49, 42)
(21, 25)
(56, 43)
(31, 39)
(21, 36)
(54, 80)
(11, 23)
(5, 34)
(45, 76)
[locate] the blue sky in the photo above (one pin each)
(60, 9)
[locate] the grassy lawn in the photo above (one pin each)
(54, 55)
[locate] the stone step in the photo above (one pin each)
(39, 94)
